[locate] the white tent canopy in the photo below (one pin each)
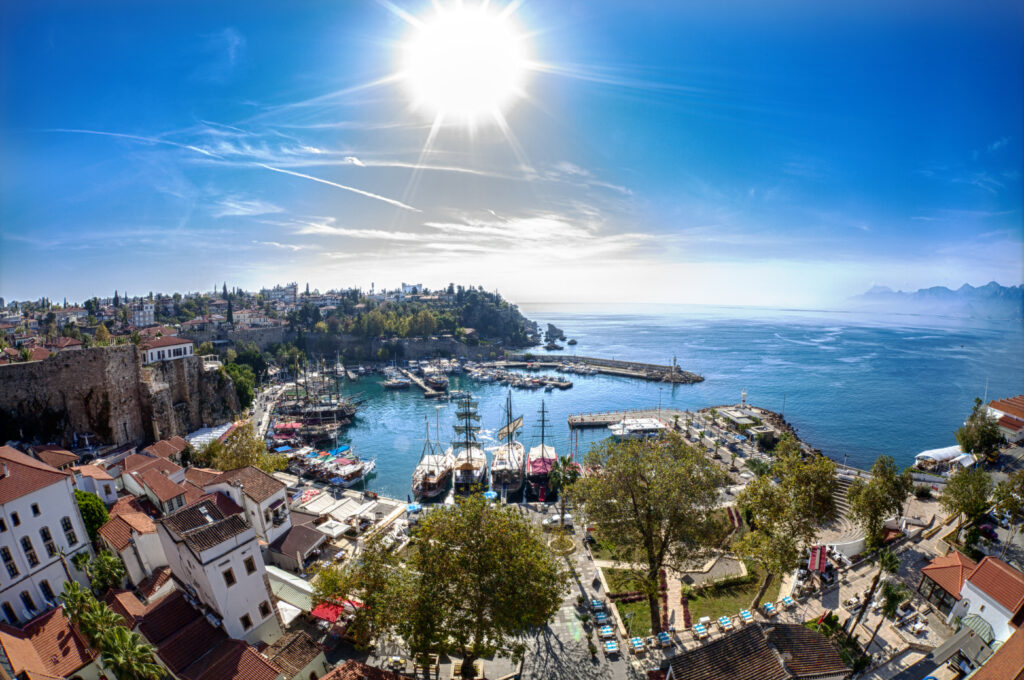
(942, 455)
(965, 460)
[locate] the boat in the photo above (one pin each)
(470, 466)
(637, 428)
(350, 470)
(509, 458)
(436, 381)
(433, 472)
(539, 462)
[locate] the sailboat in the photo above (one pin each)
(470, 459)
(433, 472)
(509, 457)
(540, 461)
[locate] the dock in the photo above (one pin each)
(583, 421)
(428, 392)
(622, 369)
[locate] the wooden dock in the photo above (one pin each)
(605, 418)
(428, 391)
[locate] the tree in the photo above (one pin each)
(784, 516)
(231, 312)
(480, 580)
(653, 501)
(980, 435)
(129, 656)
(106, 571)
(117, 299)
(74, 599)
(97, 621)
(892, 595)
(888, 563)
(205, 348)
(102, 335)
(564, 473)
(244, 380)
(241, 448)
(94, 512)
(1009, 499)
(966, 494)
(872, 502)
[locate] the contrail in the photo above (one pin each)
(340, 186)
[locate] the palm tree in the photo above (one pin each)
(892, 594)
(106, 571)
(888, 563)
(563, 475)
(75, 600)
(98, 621)
(129, 656)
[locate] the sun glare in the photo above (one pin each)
(465, 63)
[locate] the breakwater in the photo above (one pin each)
(625, 369)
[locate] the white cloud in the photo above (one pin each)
(236, 206)
(283, 246)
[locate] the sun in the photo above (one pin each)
(466, 63)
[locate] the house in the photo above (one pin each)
(1009, 413)
(218, 559)
(54, 456)
(38, 520)
(62, 344)
(170, 449)
(47, 648)
(158, 331)
(987, 596)
(142, 314)
(1007, 663)
(132, 535)
(158, 479)
(779, 651)
(68, 315)
(94, 479)
(265, 504)
(165, 349)
(192, 648)
(298, 656)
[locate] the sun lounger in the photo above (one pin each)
(664, 639)
(725, 622)
(601, 618)
(769, 609)
(788, 602)
(597, 605)
(700, 630)
(637, 645)
(611, 647)
(606, 632)
(746, 616)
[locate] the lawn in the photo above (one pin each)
(626, 580)
(716, 601)
(604, 551)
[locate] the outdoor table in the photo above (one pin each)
(606, 632)
(705, 620)
(611, 647)
(746, 616)
(918, 628)
(700, 629)
(788, 601)
(596, 605)
(664, 639)
(769, 609)
(638, 644)
(725, 622)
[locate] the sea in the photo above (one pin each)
(854, 385)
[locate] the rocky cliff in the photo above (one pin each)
(108, 392)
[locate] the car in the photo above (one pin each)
(988, 531)
(556, 520)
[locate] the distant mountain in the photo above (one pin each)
(991, 301)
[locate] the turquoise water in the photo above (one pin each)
(854, 386)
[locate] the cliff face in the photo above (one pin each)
(108, 392)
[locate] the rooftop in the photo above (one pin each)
(25, 474)
(1007, 663)
(949, 571)
(1013, 406)
(255, 483)
(93, 471)
(300, 540)
(157, 343)
(54, 456)
(158, 482)
(203, 526)
(118, 531)
(1000, 581)
(47, 647)
(293, 652)
(356, 670)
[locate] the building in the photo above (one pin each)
(287, 294)
(142, 314)
(169, 449)
(411, 288)
(38, 519)
(218, 559)
(298, 656)
(1009, 413)
(132, 535)
(165, 348)
(63, 344)
(54, 456)
(1007, 663)
(158, 479)
(94, 479)
(47, 648)
(779, 651)
(357, 670)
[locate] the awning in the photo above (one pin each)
(413, 508)
(980, 626)
(490, 495)
(818, 559)
(282, 449)
(288, 612)
(966, 460)
(940, 455)
(328, 612)
(287, 426)
(340, 449)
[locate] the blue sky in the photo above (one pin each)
(738, 153)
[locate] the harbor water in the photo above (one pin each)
(855, 386)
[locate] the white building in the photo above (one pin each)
(165, 349)
(411, 288)
(38, 519)
(160, 480)
(261, 497)
(994, 592)
(218, 559)
(142, 314)
(132, 536)
(287, 294)
(94, 479)
(1009, 413)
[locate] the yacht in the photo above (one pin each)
(433, 473)
(470, 473)
(539, 462)
(508, 460)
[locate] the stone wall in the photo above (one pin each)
(263, 337)
(108, 392)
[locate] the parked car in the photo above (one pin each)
(557, 520)
(988, 531)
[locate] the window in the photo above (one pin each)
(15, 518)
(69, 531)
(51, 548)
(35, 510)
(30, 551)
(26, 600)
(250, 565)
(246, 622)
(44, 587)
(229, 577)
(3, 525)
(9, 613)
(12, 568)
(107, 490)
(264, 609)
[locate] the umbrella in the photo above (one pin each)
(413, 507)
(491, 495)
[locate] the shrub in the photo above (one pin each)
(923, 492)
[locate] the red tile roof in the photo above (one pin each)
(93, 472)
(167, 615)
(118, 531)
(255, 483)
(25, 474)
(1007, 663)
(740, 655)
(292, 652)
(1011, 423)
(157, 482)
(157, 343)
(356, 670)
(180, 649)
(127, 605)
(154, 582)
(201, 476)
(1013, 406)
(231, 660)
(125, 504)
(1000, 581)
(47, 647)
(806, 653)
(162, 449)
(949, 571)
(138, 462)
(54, 456)
(64, 343)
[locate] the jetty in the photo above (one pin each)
(584, 421)
(622, 369)
(428, 391)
